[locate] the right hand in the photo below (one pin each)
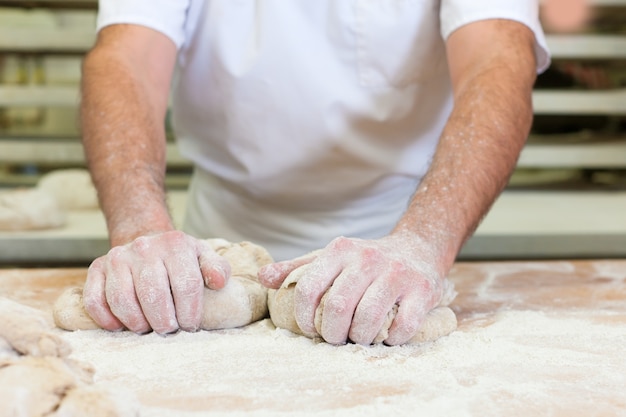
(155, 283)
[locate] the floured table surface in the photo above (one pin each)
(534, 338)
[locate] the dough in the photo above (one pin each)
(97, 401)
(58, 387)
(45, 206)
(242, 301)
(72, 189)
(438, 323)
(38, 379)
(29, 209)
(28, 331)
(35, 386)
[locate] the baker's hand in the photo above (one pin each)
(155, 282)
(363, 280)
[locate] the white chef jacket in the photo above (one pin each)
(309, 119)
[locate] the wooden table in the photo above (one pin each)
(534, 338)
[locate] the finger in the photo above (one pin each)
(412, 310)
(152, 288)
(94, 298)
(273, 275)
(372, 312)
(319, 277)
(346, 292)
(120, 292)
(187, 286)
(214, 268)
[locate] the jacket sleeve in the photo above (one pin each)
(457, 13)
(166, 16)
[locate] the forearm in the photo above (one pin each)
(122, 122)
(477, 152)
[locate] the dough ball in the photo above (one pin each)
(439, 322)
(281, 304)
(69, 312)
(245, 258)
(72, 188)
(242, 301)
(29, 209)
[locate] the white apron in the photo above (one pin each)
(306, 119)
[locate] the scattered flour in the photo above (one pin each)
(524, 363)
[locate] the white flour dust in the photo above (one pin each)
(524, 363)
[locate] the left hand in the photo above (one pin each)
(364, 280)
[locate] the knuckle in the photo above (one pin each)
(91, 301)
(406, 327)
(142, 245)
(335, 305)
(189, 286)
(97, 265)
(116, 256)
(342, 243)
(398, 268)
(149, 295)
(176, 237)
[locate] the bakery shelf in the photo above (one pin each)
(63, 151)
(521, 225)
(51, 4)
(589, 102)
(38, 96)
(587, 46)
(591, 154)
(46, 41)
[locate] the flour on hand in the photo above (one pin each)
(242, 301)
(439, 322)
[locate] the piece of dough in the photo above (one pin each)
(38, 379)
(29, 209)
(438, 323)
(242, 301)
(34, 386)
(58, 387)
(98, 401)
(28, 331)
(72, 189)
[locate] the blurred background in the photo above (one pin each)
(565, 199)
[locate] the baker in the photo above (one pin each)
(377, 131)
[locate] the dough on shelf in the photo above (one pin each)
(29, 209)
(45, 206)
(72, 189)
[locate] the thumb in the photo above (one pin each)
(273, 275)
(214, 268)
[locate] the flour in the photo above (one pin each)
(524, 363)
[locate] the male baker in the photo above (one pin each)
(377, 131)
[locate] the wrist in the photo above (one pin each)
(130, 227)
(440, 246)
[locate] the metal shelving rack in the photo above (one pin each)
(40, 148)
(503, 234)
(582, 217)
(583, 150)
